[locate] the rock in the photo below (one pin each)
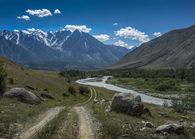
(149, 125)
(138, 98)
(22, 95)
(147, 111)
(193, 125)
(108, 110)
(163, 114)
(170, 127)
(185, 117)
(145, 128)
(103, 100)
(127, 103)
(47, 95)
(181, 120)
(96, 101)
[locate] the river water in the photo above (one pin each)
(102, 83)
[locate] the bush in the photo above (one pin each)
(72, 90)
(46, 90)
(69, 81)
(167, 85)
(84, 90)
(72, 74)
(65, 94)
(182, 105)
(11, 80)
(3, 78)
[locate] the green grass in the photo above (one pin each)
(115, 125)
(156, 85)
(68, 128)
(52, 127)
(65, 125)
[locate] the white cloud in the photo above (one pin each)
(24, 17)
(57, 11)
(132, 33)
(82, 28)
(102, 37)
(157, 34)
(115, 24)
(16, 30)
(123, 44)
(39, 12)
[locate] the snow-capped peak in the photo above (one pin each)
(26, 32)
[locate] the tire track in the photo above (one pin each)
(48, 116)
(86, 128)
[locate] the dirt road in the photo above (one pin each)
(85, 124)
(46, 118)
(86, 128)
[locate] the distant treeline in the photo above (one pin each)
(72, 74)
(184, 74)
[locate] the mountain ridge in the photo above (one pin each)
(61, 47)
(174, 49)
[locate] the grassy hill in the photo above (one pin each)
(14, 114)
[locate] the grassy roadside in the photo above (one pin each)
(52, 127)
(116, 125)
(65, 125)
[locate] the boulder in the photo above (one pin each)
(46, 95)
(22, 95)
(170, 127)
(127, 103)
(149, 125)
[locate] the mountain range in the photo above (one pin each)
(175, 49)
(57, 50)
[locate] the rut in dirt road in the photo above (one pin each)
(86, 128)
(47, 117)
(85, 124)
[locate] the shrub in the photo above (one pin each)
(3, 77)
(65, 94)
(84, 90)
(11, 80)
(182, 105)
(72, 73)
(46, 90)
(166, 85)
(72, 90)
(69, 81)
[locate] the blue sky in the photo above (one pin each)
(137, 20)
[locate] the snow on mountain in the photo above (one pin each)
(64, 46)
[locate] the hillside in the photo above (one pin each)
(16, 115)
(175, 49)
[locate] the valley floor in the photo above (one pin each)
(70, 116)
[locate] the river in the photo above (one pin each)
(102, 83)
